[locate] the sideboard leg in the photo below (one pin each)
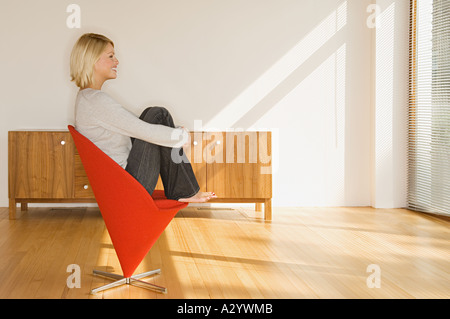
(23, 206)
(258, 207)
(268, 209)
(12, 208)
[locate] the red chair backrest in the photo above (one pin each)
(133, 218)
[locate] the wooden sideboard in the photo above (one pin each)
(44, 167)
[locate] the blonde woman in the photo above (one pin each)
(144, 145)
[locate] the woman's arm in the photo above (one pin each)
(112, 116)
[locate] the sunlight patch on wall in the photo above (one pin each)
(281, 69)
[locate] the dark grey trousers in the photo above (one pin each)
(147, 161)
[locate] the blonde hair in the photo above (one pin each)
(85, 53)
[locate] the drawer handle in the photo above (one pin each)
(85, 187)
(63, 142)
(195, 143)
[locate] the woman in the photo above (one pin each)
(143, 146)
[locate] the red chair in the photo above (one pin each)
(134, 219)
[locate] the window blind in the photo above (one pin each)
(429, 107)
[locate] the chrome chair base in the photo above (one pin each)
(133, 280)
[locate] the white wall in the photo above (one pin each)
(301, 68)
(390, 113)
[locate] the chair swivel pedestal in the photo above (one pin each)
(133, 280)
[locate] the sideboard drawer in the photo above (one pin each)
(82, 188)
(40, 164)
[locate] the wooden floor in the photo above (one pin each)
(223, 253)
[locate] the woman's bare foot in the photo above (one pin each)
(200, 197)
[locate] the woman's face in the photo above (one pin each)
(106, 66)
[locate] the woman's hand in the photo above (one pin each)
(188, 136)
